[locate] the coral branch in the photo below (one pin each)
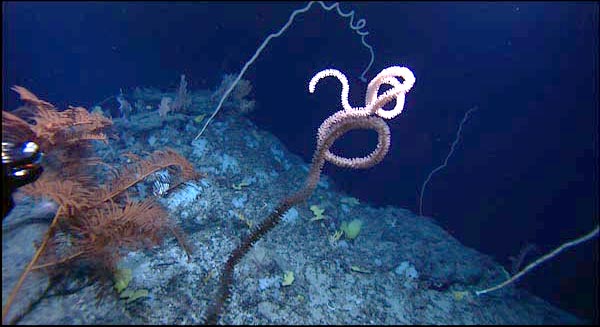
(101, 224)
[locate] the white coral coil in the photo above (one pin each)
(398, 91)
(362, 117)
(334, 73)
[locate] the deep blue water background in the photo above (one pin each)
(525, 170)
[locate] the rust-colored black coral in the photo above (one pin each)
(100, 220)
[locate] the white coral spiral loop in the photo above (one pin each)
(375, 103)
(362, 117)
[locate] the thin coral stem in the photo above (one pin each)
(37, 255)
(50, 264)
(120, 190)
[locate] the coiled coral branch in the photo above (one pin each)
(331, 129)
